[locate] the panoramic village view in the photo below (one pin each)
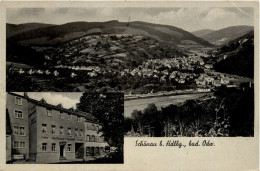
(176, 82)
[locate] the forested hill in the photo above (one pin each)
(239, 56)
(13, 29)
(59, 34)
(200, 33)
(225, 35)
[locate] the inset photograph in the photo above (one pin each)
(129, 49)
(64, 128)
(226, 112)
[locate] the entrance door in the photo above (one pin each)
(61, 150)
(79, 150)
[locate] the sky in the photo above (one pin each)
(67, 100)
(190, 19)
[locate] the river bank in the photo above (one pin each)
(159, 101)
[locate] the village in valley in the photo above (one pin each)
(136, 65)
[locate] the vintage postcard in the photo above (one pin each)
(120, 85)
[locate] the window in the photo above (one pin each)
(80, 132)
(22, 144)
(93, 127)
(69, 116)
(53, 129)
(102, 150)
(44, 146)
(44, 128)
(69, 131)
(61, 115)
(89, 126)
(87, 138)
(97, 151)
(61, 130)
(93, 138)
(76, 132)
(69, 147)
(53, 147)
(18, 114)
(16, 144)
(97, 128)
(19, 130)
(18, 100)
(87, 151)
(78, 118)
(22, 132)
(16, 130)
(101, 139)
(48, 112)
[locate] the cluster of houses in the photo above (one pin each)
(92, 71)
(162, 76)
(38, 72)
(173, 70)
(205, 81)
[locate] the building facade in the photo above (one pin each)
(55, 134)
(17, 108)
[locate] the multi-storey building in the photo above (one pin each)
(17, 107)
(55, 134)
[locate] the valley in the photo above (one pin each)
(101, 58)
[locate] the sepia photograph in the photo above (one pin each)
(181, 76)
(139, 51)
(64, 128)
(128, 85)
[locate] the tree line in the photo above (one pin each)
(230, 112)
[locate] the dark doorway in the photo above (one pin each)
(79, 150)
(61, 150)
(92, 151)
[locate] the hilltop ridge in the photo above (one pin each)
(57, 34)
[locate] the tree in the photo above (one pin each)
(128, 125)
(169, 116)
(152, 120)
(137, 115)
(108, 109)
(192, 117)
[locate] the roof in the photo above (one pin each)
(87, 50)
(43, 103)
